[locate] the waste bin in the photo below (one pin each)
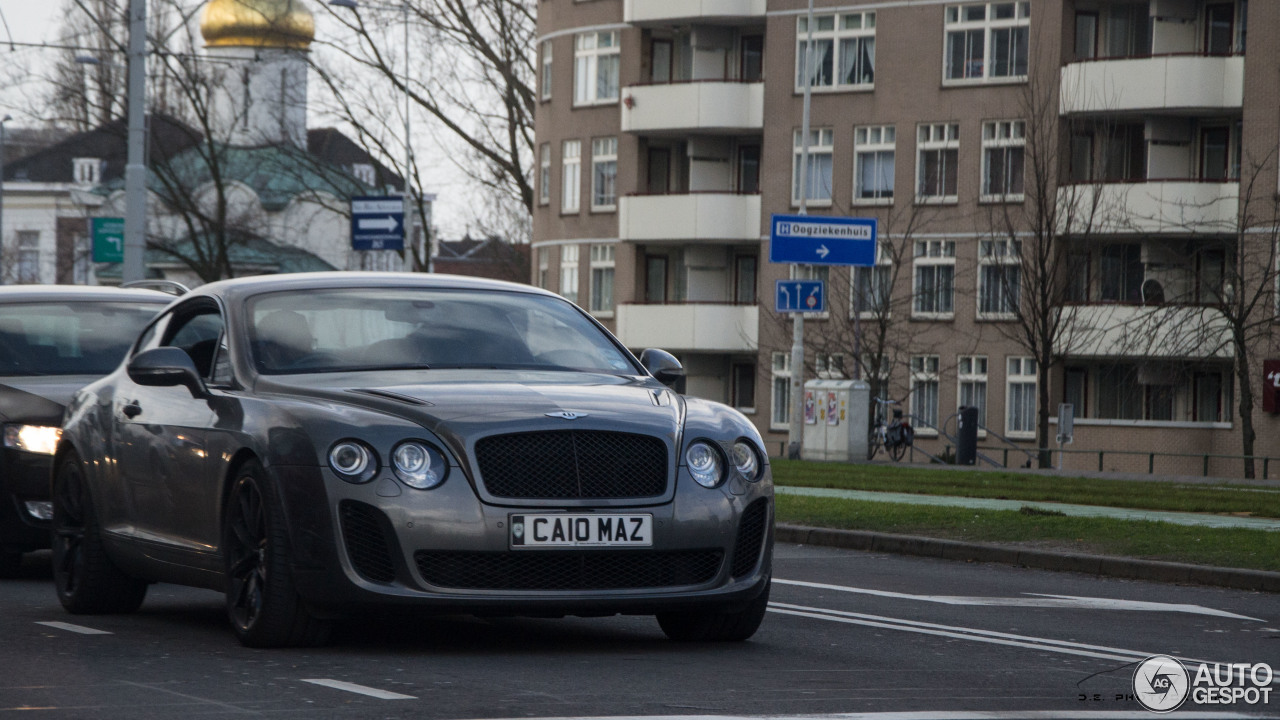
(967, 436)
(835, 420)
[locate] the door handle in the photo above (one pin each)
(132, 410)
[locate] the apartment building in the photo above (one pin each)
(1121, 141)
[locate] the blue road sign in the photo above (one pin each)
(377, 223)
(818, 240)
(799, 296)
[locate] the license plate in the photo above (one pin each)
(581, 530)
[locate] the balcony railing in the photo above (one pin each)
(1151, 206)
(1136, 331)
(709, 106)
(699, 327)
(1186, 82)
(667, 11)
(716, 216)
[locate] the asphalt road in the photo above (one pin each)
(850, 633)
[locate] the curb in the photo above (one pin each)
(1102, 565)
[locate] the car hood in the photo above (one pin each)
(38, 400)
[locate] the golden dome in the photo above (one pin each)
(258, 23)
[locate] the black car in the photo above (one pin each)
(54, 339)
(315, 444)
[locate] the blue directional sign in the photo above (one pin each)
(810, 240)
(799, 296)
(377, 223)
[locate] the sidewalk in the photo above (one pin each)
(1177, 518)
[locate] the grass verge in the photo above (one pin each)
(1141, 495)
(1237, 548)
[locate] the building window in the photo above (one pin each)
(937, 157)
(544, 174)
(595, 71)
(544, 267)
(571, 176)
(569, 272)
(604, 173)
(1003, 148)
(602, 262)
(829, 367)
(1120, 273)
(821, 149)
(924, 393)
(546, 70)
(1075, 390)
(743, 392)
(365, 173)
(744, 280)
(935, 279)
(873, 150)
(781, 394)
(1209, 405)
(999, 278)
(875, 285)
(1020, 398)
(972, 377)
(987, 41)
(844, 51)
(28, 257)
(655, 279)
(87, 171)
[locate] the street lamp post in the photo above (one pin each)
(3, 120)
(135, 170)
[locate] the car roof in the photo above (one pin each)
(80, 293)
(239, 288)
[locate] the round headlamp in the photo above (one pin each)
(746, 461)
(353, 461)
(704, 464)
(419, 465)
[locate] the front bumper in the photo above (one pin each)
(24, 477)
(375, 544)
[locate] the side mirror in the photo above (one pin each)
(663, 366)
(166, 367)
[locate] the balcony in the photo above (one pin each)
(692, 327)
(654, 12)
(1187, 83)
(1169, 206)
(1135, 331)
(714, 216)
(706, 106)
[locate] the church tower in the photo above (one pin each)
(258, 49)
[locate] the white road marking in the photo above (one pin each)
(931, 715)
(74, 628)
(360, 689)
(1036, 600)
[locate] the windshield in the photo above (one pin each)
(377, 329)
(70, 337)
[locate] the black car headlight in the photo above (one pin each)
(746, 460)
(353, 461)
(38, 439)
(419, 465)
(705, 464)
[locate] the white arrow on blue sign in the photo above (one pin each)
(377, 223)
(799, 296)
(818, 240)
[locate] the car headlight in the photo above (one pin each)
(353, 461)
(419, 465)
(39, 439)
(704, 464)
(746, 460)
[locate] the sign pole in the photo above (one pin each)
(796, 425)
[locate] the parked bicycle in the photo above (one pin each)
(895, 437)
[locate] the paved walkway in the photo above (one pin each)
(1177, 518)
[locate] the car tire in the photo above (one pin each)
(262, 603)
(10, 563)
(716, 625)
(86, 579)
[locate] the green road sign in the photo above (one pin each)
(108, 239)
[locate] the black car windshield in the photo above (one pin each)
(69, 337)
(357, 329)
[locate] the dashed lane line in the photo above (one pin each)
(81, 629)
(359, 689)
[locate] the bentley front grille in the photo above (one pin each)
(573, 464)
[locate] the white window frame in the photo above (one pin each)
(957, 20)
(932, 254)
(604, 174)
(1004, 136)
(1005, 252)
(940, 138)
(86, 170)
(834, 31)
(780, 389)
(596, 55)
(880, 278)
(828, 367)
(821, 142)
(603, 263)
(569, 272)
(1018, 370)
(872, 141)
(546, 76)
(571, 177)
(925, 370)
(971, 370)
(544, 174)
